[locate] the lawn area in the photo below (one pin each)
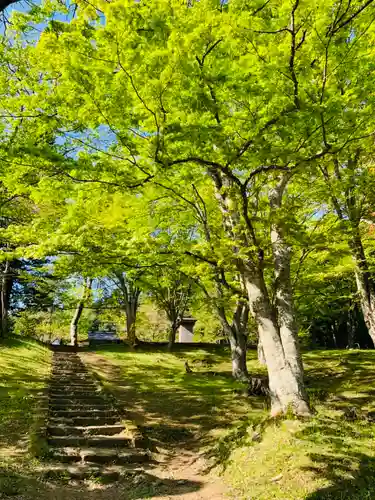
(205, 416)
(24, 370)
(330, 456)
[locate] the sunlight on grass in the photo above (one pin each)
(330, 456)
(24, 369)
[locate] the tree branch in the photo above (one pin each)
(334, 29)
(259, 9)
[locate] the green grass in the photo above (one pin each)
(24, 369)
(330, 456)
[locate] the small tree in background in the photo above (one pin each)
(172, 294)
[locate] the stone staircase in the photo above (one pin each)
(85, 435)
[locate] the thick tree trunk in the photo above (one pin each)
(286, 315)
(238, 351)
(78, 313)
(284, 366)
(236, 334)
(261, 358)
(285, 381)
(364, 281)
(238, 341)
(131, 328)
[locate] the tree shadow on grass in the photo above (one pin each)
(350, 470)
(172, 406)
(357, 485)
(136, 487)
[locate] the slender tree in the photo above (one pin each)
(78, 311)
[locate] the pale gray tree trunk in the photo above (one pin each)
(261, 358)
(364, 281)
(285, 312)
(78, 312)
(286, 315)
(350, 207)
(238, 349)
(236, 334)
(285, 383)
(284, 364)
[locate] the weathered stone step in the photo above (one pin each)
(69, 385)
(74, 389)
(78, 403)
(75, 395)
(76, 430)
(85, 421)
(73, 379)
(79, 472)
(108, 456)
(71, 371)
(77, 399)
(90, 441)
(122, 457)
(83, 413)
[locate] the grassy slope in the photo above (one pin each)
(330, 456)
(24, 368)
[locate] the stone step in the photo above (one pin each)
(69, 373)
(98, 441)
(73, 403)
(91, 430)
(79, 472)
(72, 380)
(118, 457)
(61, 391)
(82, 413)
(75, 395)
(76, 399)
(72, 385)
(73, 389)
(103, 456)
(85, 421)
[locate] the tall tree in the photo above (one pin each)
(350, 183)
(78, 311)
(172, 294)
(237, 97)
(127, 293)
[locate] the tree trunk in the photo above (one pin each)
(172, 335)
(350, 326)
(364, 281)
(238, 351)
(283, 364)
(236, 335)
(285, 382)
(286, 315)
(261, 358)
(130, 329)
(78, 313)
(363, 277)
(6, 286)
(131, 315)
(238, 341)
